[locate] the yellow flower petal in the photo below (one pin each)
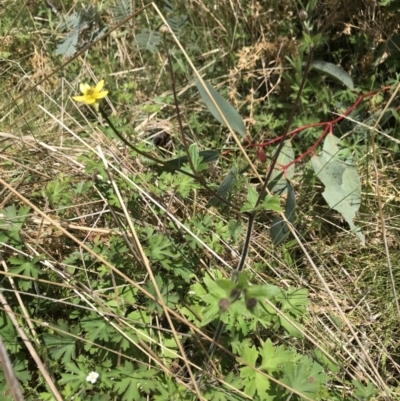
(101, 94)
(84, 87)
(79, 98)
(90, 100)
(100, 85)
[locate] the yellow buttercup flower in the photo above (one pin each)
(91, 95)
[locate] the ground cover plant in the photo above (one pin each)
(198, 200)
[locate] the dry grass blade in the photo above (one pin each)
(13, 384)
(379, 198)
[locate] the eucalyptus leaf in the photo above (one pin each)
(334, 71)
(224, 188)
(341, 180)
(279, 228)
(285, 157)
(225, 108)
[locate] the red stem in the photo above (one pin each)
(328, 129)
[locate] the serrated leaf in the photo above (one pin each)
(252, 380)
(334, 71)
(96, 329)
(61, 349)
(177, 24)
(71, 22)
(271, 203)
(11, 222)
(306, 376)
(225, 108)
(273, 357)
(279, 229)
(249, 354)
(364, 392)
(285, 157)
(341, 180)
(67, 47)
(251, 201)
(294, 301)
(121, 10)
(195, 157)
(148, 40)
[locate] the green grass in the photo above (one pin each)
(113, 265)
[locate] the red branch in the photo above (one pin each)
(328, 128)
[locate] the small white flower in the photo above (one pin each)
(92, 377)
(191, 292)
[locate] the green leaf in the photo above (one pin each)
(128, 386)
(242, 282)
(121, 10)
(62, 347)
(25, 267)
(294, 301)
(178, 24)
(9, 334)
(279, 228)
(252, 380)
(11, 221)
(334, 71)
(21, 371)
(306, 376)
(208, 156)
(210, 313)
(185, 184)
(273, 357)
(67, 47)
(364, 393)
(213, 287)
(226, 285)
(252, 197)
(77, 376)
(285, 157)
(341, 180)
(225, 187)
(148, 40)
(271, 203)
(289, 327)
(263, 291)
(249, 354)
(169, 297)
(96, 329)
(325, 361)
(196, 158)
(225, 108)
(235, 229)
